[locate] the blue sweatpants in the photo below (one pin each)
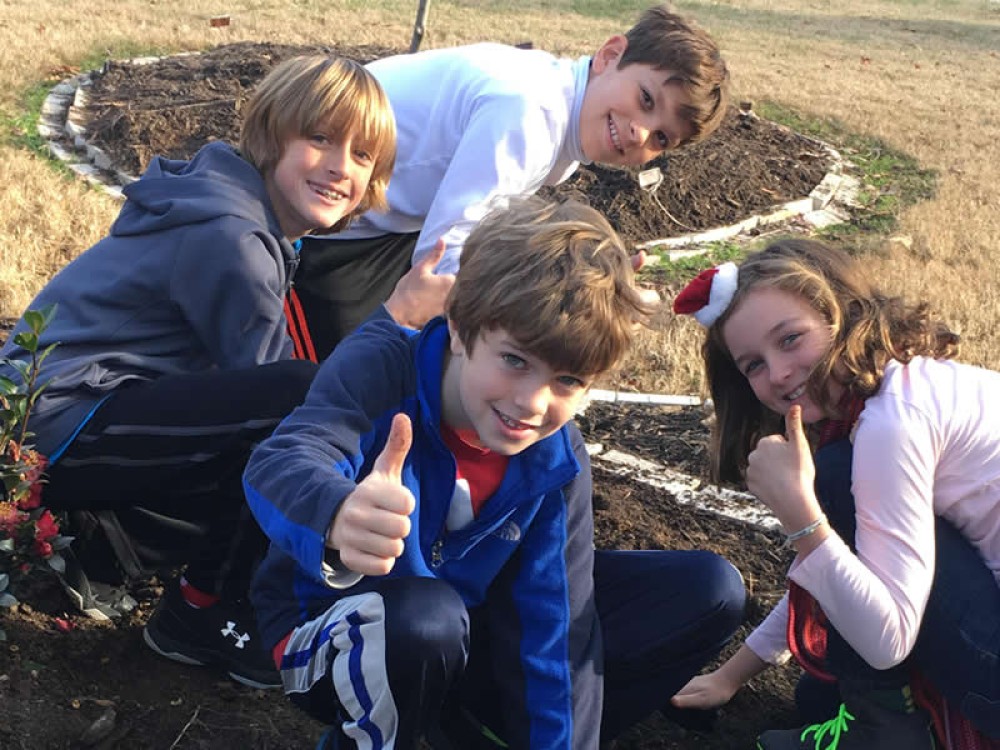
(663, 615)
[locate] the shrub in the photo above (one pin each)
(30, 538)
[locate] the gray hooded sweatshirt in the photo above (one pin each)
(192, 276)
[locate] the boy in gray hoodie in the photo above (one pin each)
(173, 357)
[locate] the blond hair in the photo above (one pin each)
(321, 94)
(868, 329)
(556, 278)
(666, 41)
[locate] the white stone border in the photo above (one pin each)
(686, 489)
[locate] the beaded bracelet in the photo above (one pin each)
(802, 533)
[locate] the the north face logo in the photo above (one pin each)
(241, 638)
(509, 532)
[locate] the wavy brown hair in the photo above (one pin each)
(556, 277)
(666, 41)
(868, 329)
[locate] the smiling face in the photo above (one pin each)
(512, 399)
(631, 114)
(776, 339)
(317, 181)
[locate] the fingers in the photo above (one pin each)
(794, 431)
(390, 461)
(429, 262)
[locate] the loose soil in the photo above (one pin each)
(69, 682)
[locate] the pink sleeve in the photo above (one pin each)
(876, 598)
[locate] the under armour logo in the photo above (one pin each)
(230, 630)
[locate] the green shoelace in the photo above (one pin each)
(832, 729)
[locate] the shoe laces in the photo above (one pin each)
(831, 729)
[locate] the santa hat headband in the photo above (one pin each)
(708, 294)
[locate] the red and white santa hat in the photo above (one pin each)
(708, 294)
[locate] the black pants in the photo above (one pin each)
(339, 283)
(168, 456)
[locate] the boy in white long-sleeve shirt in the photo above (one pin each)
(480, 124)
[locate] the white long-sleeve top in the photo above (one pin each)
(475, 125)
(927, 444)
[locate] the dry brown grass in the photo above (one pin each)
(923, 76)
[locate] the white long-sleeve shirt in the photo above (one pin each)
(476, 125)
(927, 444)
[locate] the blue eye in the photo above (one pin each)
(512, 360)
(751, 367)
(570, 381)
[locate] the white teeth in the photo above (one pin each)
(614, 134)
(514, 424)
(331, 194)
(796, 393)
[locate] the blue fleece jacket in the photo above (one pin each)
(528, 555)
(193, 275)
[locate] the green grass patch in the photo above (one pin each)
(20, 128)
(676, 273)
(890, 179)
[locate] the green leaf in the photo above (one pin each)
(46, 352)
(7, 600)
(7, 386)
(23, 368)
(34, 320)
(6, 545)
(27, 340)
(57, 563)
(48, 313)
(61, 542)
(4, 581)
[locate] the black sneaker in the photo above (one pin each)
(882, 720)
(223, 635)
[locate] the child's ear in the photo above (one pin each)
(609, 53)
(457, 347)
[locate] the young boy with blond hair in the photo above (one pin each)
(484, 123)
(173, 359)
(432, 570)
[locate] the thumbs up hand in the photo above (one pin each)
(372, 522)
(781, 472)
(421, 293)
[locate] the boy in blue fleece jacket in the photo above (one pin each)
(429, 508)
(173, 360)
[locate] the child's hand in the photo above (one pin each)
(718, 686)
(421, 293)
(781, 473)
(704, 691)
(373, 520)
